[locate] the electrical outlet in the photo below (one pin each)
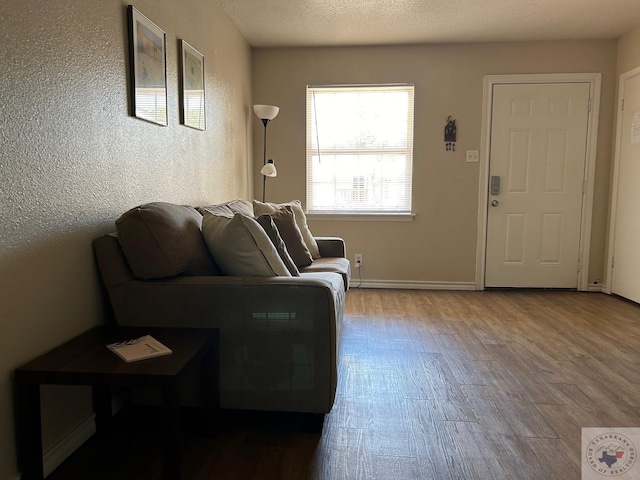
(358, 258)
(473, 156)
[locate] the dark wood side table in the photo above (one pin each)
(85, 360)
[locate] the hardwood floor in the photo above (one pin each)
(433, 385)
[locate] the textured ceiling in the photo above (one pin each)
(278, 23)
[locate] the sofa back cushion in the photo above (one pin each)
(219, 209)
(241, 247)
(164, 240)
(241, 206)
(229, 208)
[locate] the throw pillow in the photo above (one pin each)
(301, 220)
(164, 240)
(286, 223)
(241, 247)
(273, 233)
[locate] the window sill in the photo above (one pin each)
(362, 217)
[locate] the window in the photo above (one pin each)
(359, 149)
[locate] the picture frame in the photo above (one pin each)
(148, 74)
(192, 91)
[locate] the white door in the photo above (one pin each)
(625, 279)
(538, 152)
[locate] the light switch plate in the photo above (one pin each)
(473, 156)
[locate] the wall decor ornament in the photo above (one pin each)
(450, 134)
(148, 72)
(192, 113)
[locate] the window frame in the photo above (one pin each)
(402, 213)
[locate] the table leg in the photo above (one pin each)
(102, 408)
(210, 378)
(29, 430)
(172, 447)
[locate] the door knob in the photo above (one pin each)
(495, 203)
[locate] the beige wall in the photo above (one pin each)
(72, 160)
(629, 51)
(440, 245)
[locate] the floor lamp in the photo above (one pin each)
(266, 113)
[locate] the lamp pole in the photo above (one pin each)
(265, 121)
(266, 113)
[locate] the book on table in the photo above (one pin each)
(139, 349)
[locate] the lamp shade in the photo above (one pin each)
(266, 112)
(269, 170)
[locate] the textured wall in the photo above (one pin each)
(440, 245)
(72, 160)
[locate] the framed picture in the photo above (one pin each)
(192, 113)
(148, 56)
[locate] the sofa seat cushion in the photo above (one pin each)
(241, 247)
(331, 264)
(334, 279)
(164, 240)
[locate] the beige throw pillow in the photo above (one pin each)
(260, 208)
(241, 247)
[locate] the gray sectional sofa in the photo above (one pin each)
(279, 333)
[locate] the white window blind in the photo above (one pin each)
(359, 149)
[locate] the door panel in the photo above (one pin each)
(514, 237)
(626, 272)
(518, 161)
(556, 164)
(551, 239)
(538, 148)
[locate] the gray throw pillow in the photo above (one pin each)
(241, 247)
(285, 221)
(301, 220)
(273, 233)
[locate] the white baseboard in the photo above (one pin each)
(412, 285)
(59, 452)
(596, 287)
(428, 285)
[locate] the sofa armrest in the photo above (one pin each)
(331, 247)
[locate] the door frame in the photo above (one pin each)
(594, 80)
(615, 184)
